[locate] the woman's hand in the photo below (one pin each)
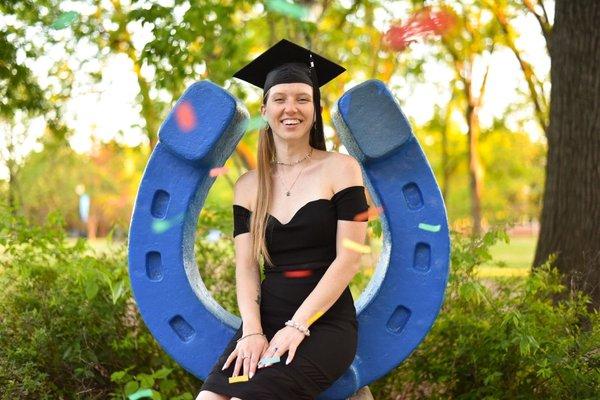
(247, 353)
(286, 339)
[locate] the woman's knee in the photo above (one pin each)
(207, 395)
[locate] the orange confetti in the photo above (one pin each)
(371, 213)
(298, 273)
(218, 171)
(186, 118)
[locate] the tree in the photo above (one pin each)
(570, 220)
(21, 96)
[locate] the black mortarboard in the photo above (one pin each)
(287, 62)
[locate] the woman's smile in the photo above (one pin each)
(291, 122)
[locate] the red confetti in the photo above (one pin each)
(218, 171)
(298, 273)
(421, 24)
(186, 118)
(371, 213)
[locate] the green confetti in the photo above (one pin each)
(65, 19)
(255, 123)
(160, 226)
(429, 228)
(140, 393)
(289, 9)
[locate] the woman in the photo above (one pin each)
(299, 328)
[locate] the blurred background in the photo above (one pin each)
(86, 84)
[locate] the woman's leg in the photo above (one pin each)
(207, 395)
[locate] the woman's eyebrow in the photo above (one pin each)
(284, 94)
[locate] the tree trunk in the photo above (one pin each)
(570, 220)
(474, 168)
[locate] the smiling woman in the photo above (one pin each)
(299, 326)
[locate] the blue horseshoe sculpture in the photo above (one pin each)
(399, 305)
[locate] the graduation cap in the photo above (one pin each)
(287, 62)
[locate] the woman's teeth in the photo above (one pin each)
(291, 121)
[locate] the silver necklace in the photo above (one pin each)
(288, 191)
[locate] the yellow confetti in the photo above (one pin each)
(315, 317)
(236, 379)
(352, 245)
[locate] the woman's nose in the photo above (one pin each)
(290, 106)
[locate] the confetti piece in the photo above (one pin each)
(64, 20)
(352, 245)
(289, 9)
(421, 24)
(266, 361)
(161, 226)
(186, 118)
(371, 213)
(298, 273)
(140, 393)
(429, 228)
(315, 317)
(237, 379)
(256, 123)
(218, 171)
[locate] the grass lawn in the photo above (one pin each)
(510, 259)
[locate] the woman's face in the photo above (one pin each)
(289, 109)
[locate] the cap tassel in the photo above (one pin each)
(316, 95)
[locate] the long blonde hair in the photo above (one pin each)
(266, 158)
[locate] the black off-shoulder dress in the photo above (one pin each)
(306, 242)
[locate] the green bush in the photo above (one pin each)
(68, 321)
(502, 339)
(69, 327)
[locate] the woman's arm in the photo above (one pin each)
(247, 276)
(247, 284)
(347, 261)
(337, 277)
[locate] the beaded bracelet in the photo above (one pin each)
(248, 335)
(296, 325)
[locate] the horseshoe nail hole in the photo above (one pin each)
(398, 319)
(413, 196)
(160, 204)
(182, 328)
(154, 266)
(422, 257)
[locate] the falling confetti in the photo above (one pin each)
(161, 226)
(256, 123)
(429, 228)
(266, 361)
(289, 9)
(64, 20)
(236, 379)
(421, 24)
(218, 171)
(352, 245)
(186, 118)
(315, 317)
(371, 213)
(298, 273)
(140, 393)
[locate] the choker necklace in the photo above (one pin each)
(294, 163)
(288, 191)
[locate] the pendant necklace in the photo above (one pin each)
(288, 191)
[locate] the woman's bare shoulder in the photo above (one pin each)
(245, 188)
(343, 171)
